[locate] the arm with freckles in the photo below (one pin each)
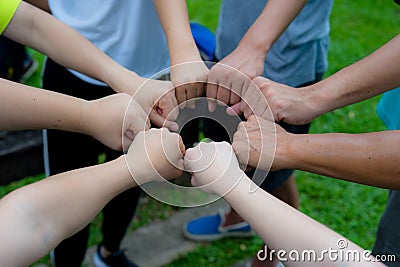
(107, 119)
(279, 225)
(39, 30)
(37, 217)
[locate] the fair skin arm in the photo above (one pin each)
(373, 75)
(279, 225)
(247, 60)
(35, 225)
(186, 63)
(113, 120)
(39, 30)
(367, 158)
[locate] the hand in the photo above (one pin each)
(230, 78)
(157, 98)
(291, 105)
(261, 144)
(155, 155)
(114, 120)
(189, 80)
(214, 167)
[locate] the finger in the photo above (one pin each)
(180, 93)
(167, 104)
(235, 98)
(200, 89)
(191, 93)
(160, 121)
(234, 110)
(211, 94)
(223, 94)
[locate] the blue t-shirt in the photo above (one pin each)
(388, 109)
(300, 52)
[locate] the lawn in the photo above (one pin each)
(357, 29)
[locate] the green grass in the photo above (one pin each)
(358, 28)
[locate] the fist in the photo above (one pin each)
(214, 167)
(155, 155)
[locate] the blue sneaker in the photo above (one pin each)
(209, 228)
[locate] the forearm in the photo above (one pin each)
(271, 23)
(285, 228)
(41, 31)
(41, 215)
(175, 22)
(24, 107)
(370, 158)
(373, 75)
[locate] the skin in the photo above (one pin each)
(229, 79)
(276, 228)
(39, 30)
(107, 119)
(82, 194)
(188, 71)
(368, 158)
(371, 76)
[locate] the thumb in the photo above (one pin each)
(234, 110)
(160, 121)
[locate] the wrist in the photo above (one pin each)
(122, 80)
(122, 171)
(184, 52)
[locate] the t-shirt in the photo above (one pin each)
(299, 53)
(7, 11)
(128, 31)
(388, 109)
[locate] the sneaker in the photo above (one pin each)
(117, 259)
(211, 228)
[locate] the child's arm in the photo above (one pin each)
(37, 29)
(216, 170)
(37, 217)
(186, 63)
(107, 119)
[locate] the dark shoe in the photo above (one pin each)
(117, 259)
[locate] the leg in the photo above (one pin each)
(388, 235)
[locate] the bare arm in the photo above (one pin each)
(248, 59)
(24, 107)
(113, 120)
(368, 158)
(373, 75)
(188, 72)
(216, 170)
(39, 30)
(39, 216)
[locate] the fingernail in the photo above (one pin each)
(211, 106)
(174, 127)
